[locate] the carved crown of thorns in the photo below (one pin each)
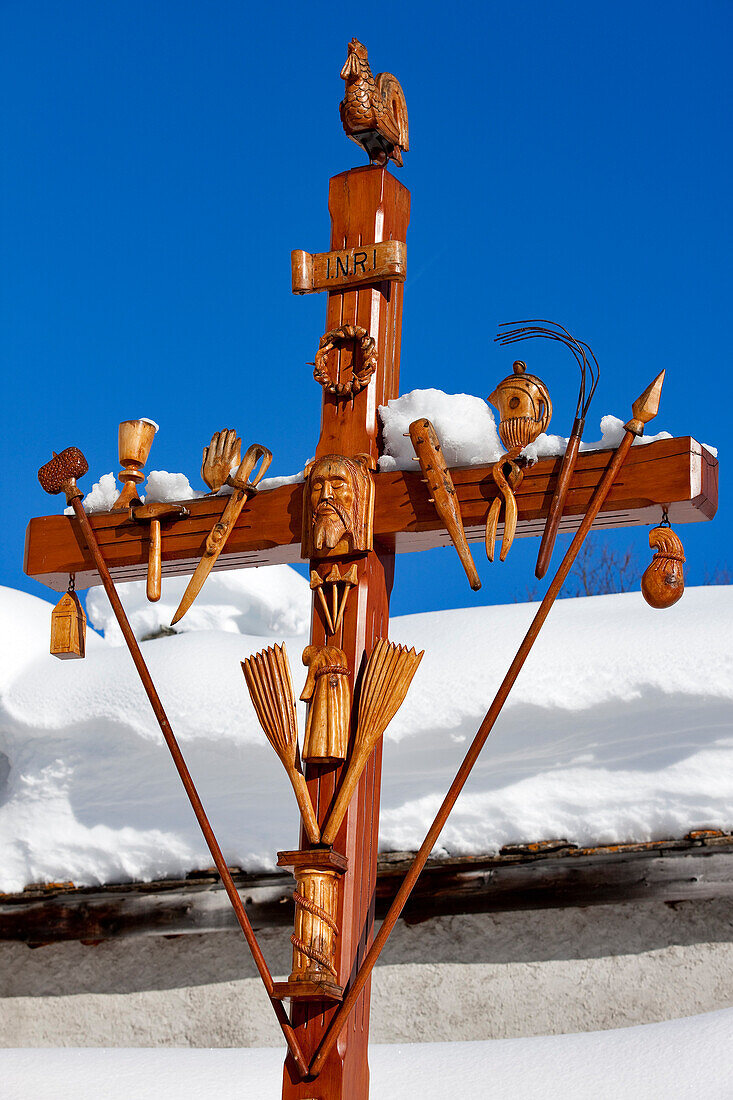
(359, 375)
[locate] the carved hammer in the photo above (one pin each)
(60, 474)
(154, 514)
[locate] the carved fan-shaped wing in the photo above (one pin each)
(391, 92)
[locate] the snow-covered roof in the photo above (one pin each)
(619, 728)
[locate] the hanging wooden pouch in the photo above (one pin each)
(663, 582)
(68, 627)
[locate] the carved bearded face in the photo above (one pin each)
(331, 489)
(337, 516)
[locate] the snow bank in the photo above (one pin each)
(612, 732)
(25, 636)
(165, 486)
(267, 601)
(619, 728)
(162, 486)
(687, 1058)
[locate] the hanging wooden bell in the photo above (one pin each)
(663, 582)
(68, 627)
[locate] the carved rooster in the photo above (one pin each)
(373, 111)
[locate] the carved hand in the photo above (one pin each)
(222, 454)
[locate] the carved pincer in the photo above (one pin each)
(507, 476)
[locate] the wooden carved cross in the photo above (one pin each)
(363, 277)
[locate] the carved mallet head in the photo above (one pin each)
(60, 474)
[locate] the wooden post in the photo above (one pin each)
(367, 206)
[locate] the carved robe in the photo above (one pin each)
(327, 687)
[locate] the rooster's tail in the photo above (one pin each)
(391, 92)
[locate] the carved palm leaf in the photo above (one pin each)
(387, 677)
(268, 678)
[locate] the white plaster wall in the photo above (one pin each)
(464, 977)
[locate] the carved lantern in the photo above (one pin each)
(68, 627)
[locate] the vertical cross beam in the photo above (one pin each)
(367, 205)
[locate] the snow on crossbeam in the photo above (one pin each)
(680, 473)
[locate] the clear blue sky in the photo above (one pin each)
(568, 160)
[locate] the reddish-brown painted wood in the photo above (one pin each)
(707, 499)
(366, 205)
(677, 472)
(644, 408)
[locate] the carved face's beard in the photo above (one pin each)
(330, 524)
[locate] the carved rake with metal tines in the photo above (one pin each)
(268, 678)
(588, 365)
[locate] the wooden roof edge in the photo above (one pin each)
(388, 864)
(545, 874)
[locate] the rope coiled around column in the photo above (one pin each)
(307, 949)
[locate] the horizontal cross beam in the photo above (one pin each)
(679, 473)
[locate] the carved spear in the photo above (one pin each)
(317, 586)
(644, 409)
(59, 476)
(349, 580)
